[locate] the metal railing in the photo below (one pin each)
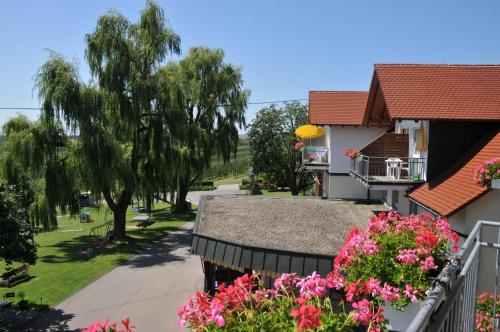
(388, 169)
(315, 155)
(451, 305)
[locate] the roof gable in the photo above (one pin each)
(458, 92)
(337, 107)
(457, 190)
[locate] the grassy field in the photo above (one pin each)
(62, 268)
(235, 167)
(230, 180)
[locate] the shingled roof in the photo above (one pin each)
(337, 107)
(458, 92)
(458, 189)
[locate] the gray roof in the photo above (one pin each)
(306, 225)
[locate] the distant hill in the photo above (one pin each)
(237, 166)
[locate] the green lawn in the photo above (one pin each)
(276, 193)
(230, 180)
(62, 269)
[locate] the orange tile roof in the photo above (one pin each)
(461, 92)
(459, 189)
(337, 107)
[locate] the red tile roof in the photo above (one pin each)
(458, 190)
(337, 107)
(461, 92)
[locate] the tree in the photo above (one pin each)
(272, 138)
(203, 98)
(114, 136)
(16, 236)
(35, 159)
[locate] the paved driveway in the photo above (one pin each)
(149, 288)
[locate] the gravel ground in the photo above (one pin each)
(285, 223)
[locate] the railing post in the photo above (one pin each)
(367, 169)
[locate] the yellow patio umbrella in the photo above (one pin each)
(309, 131)
(421, 141)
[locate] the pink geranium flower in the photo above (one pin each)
(389, 293)
(312, 285)
(428, 264)
(408, 256)
(410, 293)
(362, 311)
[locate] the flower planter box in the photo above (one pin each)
(495, 184)
(401, 320)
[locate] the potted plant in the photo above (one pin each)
(298, 145)
(485, 304)
(292, 304)
(391, 264)
(487, 173)
(107, 326)
(352, 153)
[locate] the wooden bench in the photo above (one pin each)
(14, 276)
(143, 220)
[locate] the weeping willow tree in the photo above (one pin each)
(114, 136)
(204, 103)
(36, 160)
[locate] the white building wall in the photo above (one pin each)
(344, 186)
(349, 137)
(340, 184)
(485, 208)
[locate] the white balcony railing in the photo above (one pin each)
(315, 156)
(376, 170)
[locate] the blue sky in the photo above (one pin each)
(286, 48)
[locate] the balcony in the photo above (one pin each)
(315, 157)
(384, 164)
(373, 171)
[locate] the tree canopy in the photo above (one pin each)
(123, 58)
(35, 157)
(203, 98)
(16, 235)
(272, 139)
(142, 127)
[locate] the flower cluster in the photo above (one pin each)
(247, 304)
(487, 171)
(110, 327)
(484, 312)
(391, 261)
(352, 153)
(299, 145)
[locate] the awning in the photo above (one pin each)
(310, 131)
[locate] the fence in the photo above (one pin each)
(451, 305)
(101, 231)
(385, 169)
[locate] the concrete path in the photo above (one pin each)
(224, 189)
(148, 288)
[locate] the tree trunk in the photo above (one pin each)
(149, 203)
(119, 214)
(180, 198)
